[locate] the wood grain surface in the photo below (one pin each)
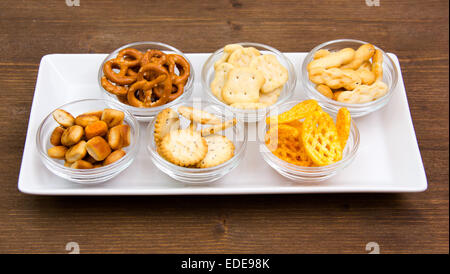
(417, 31)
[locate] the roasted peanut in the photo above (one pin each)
(119, 136)
(97, 113)
(63, 118)
(72, 135)
(85, 119)
(80, 164)
(55, 138)
(57, 152)
(98, 148)
(114, 156)
(98, 128)
(77, 152)
(112, 117)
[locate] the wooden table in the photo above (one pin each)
(407, 223)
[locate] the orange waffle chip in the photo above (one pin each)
(297, 124)
(292, 151)
(299, 111)
(274, 134)
(287, 145)
(320, 139)
(343, 122)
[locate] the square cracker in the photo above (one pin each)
(270, 98)
(227, 51)
(243, 57)
(220, 77)
(242, 85)
(275, 74)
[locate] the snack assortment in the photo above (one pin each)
(147, 79)
(348, 75)
(192, 147)
(92, 139)
(246, 79)
(307, 136)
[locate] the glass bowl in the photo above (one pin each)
(249, 115)
(146, 114)
(390, 77)
(86, 176)
(237, 134)
(308, 174)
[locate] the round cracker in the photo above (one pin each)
(220, 150)
(183, 147)
(166, 121)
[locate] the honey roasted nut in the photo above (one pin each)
(125, 132)
(57, 152)
(119, 136)
(86, 119)
(98, 148)
(88, 158)
(77, 152)
(97, 113)
(72, 135)
(114, 156)
(63, 118)
(112, 117)
(98, 128)
(80, 164)
(82, 142)
(55, 138)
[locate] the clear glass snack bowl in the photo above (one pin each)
(86, 176)
(309, 174)
(250, 115)
(390, 77)
(146, 114)
(237, 134)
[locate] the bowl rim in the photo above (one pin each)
(187, 89)
(291, 70)
(150, 141)
(305, 78)
(316, 170)
(94, 171)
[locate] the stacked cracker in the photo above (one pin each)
(245, 79)
(190, 147)
(349, 76)
(93, 139)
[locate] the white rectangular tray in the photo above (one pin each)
(388, 159)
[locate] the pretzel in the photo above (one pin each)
(377, 64)
(363, 93)
(153, 85)
(183, 67)
(335, 78)
(125, 54)
(146, 87)
(153, 56)
(116, 90)
(178, 81)
(119, 78)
